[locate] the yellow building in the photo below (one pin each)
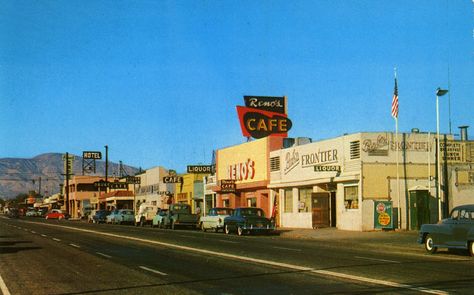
(191, 191)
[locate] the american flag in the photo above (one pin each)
(395, 101)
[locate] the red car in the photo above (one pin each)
(55, 214)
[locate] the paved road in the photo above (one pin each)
(50, 257)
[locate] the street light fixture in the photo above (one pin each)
(439, 92)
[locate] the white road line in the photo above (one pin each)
(33, 232)
(104, 255)
(377, 259)
(44, 236)
(261, 261)
(153, 270)
(227, 241)
(289, 249)
(378, 282)
(75, 246)
(3, 287)
(57, 240)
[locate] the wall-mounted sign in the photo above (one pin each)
(328, 168)
(166, 193)
(201, 169)
(242, 171)
(92, 155)
(133, 180)
(118, 185)
(101, 184)
(263, 116)
(266, 103)
(228, 186)
(383, 215)
(173, 179)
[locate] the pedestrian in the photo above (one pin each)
(198, 210)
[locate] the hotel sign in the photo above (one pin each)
(92, 155)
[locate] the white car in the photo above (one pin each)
(215, 219)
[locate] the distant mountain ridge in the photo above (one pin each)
(18, 175)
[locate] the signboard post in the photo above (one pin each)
(383, 215)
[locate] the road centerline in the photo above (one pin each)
(376, 259)
(153, 270)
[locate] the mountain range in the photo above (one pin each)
(44, 173)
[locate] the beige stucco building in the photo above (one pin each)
(336, 182)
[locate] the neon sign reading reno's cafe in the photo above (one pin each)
(241, 171)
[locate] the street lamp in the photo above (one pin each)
(439, 92)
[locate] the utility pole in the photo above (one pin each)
(67, 182)
(106, 163)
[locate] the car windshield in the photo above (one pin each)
(252, 212)
(223, 211)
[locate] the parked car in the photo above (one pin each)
(31, 213)
(98, 216)
(145, 214)
(457, 231)
(180, 215)
(120, 216)
(214, 220)
(56, 214)
(13, 213)
(248, 220)
(158, 219)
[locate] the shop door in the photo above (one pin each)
(333, 209)
(320, 209)
(419, 208)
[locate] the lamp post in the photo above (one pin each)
(439, 92)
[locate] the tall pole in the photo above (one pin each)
(439, 92)
(397, 154)
(67, 183)
(106, 164)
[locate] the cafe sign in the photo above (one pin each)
(263, 116)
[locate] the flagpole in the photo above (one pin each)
(398, 170)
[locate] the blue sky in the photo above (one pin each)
(158, 81)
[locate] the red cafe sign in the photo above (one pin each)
(258, 123)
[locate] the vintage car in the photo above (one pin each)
(32, 213)
(121, 216)
(457, 231)
(55, 214)
(214, 220)
(13, 213)
(158, 219)
(98, 216)
(248, 220)
(180, 215)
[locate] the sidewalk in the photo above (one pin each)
(396, 240)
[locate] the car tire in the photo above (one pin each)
(240, 230)
(429, 244)
(471, 248)
(226, 229)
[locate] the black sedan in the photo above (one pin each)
(457, 231)
(248, 220)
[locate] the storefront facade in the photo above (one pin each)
(248, 165)
(152, 189)
(337, 182)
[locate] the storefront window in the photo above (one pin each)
(351, 197)
(252, 202)
(288, 201)
(304, 204)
